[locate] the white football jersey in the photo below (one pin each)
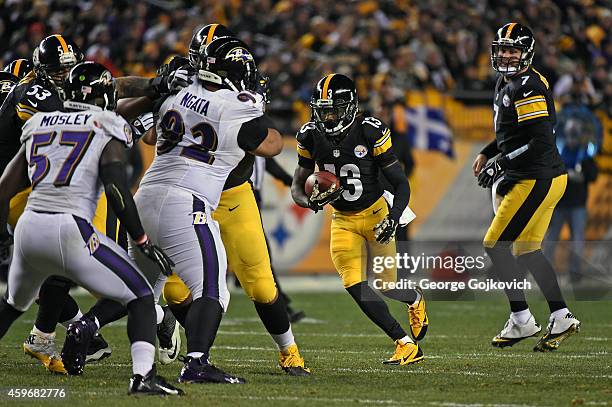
(197, 139)
(63, 150)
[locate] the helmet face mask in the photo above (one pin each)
(228, 63)
(512, 49)
(334, 105)
(89, 85)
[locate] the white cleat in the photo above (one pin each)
(557, 331)
(169, 337)
(514, 332)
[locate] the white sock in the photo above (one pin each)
(195, 355)
(521, 317)
(160, 313)
(406, 339)
(560, 313)
(75, 318)
(283, 341)
(143, 356)
(38, 332)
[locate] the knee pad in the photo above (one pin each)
(175, 291)
(262, 290)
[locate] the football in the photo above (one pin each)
(325, 179)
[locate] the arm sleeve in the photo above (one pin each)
(536, 146)
(490, 150)
(118, 194)
(398, 180)
(253, 132)
(304, 147)
(278, 172)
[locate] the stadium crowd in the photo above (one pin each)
(387, 46)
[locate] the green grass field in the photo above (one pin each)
(344, 351)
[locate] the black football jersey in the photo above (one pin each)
(29, 96)
(356, 159)
(524, 110)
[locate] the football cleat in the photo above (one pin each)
(43, 349)
(98, 349)
(199, 370)
(557, 331)
(405, 354)
(169, 337)
(417, 316)
(514, 332)
(152, 385)
(78, 337)
(292, 363)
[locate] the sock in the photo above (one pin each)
(76, 317)
(8, 315)
(406, 339)
(38, 332)
(159, 313)
(507, 269)
(141, 320)
(51, 299)
(202, 323)
(195, 355)
(276, 320)
(107, 311)
(143, 356)
(70, 311)
(545, 276)
(405, 296)
(284, 340)
(180, 311)
(560, 313)
(521, 317)
(376, 309)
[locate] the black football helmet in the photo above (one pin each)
(54, 57)
(205, 36)
(513, 35)
(19, 67)
(89, 85)
(334, 104)
(7, 81)
(228, 62)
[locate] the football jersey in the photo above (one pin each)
(197, 139)
(356, 159)
(29, 96)
(63, 150)
(523, 110)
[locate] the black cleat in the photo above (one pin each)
(152, 385)
(98, 349)
(78, 337)
(197, 370)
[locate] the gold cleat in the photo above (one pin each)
(417, 316)
(405, 354)
(557, 331)
(43, 349)
(292, 363)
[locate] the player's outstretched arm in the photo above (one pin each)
(297, 186)
(131, 108)
(14, 179)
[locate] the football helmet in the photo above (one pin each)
(54, 57)
(334, 104)
(7, 81)
(205, 35)
(512, 35)
(228, 62)
(19, 67)
(89, 85)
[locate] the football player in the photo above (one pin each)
(530, 176)
(19, 67)
(67, 156)
(356, 148)
(247, 253)
(203, 132)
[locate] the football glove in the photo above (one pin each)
(171, 81)
(492, 172)
(263, 87)
(318, 200)
(157, 255)
(384, 231)
(142, 123)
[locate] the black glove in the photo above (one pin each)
(384, 231)
(492, 172)
(158, 256)
(170, 81)
(263, 87)
(318, 200)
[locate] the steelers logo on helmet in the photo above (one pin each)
(512, 36)
(334, 105)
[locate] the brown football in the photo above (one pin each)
(325, 179)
